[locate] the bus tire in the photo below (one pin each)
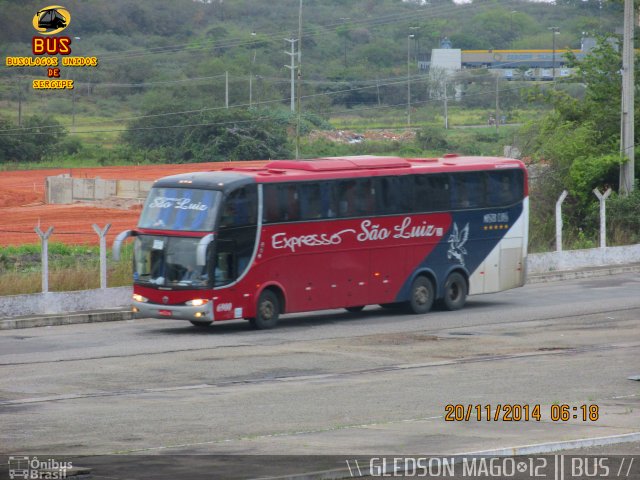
(455, 292)
(267, 311)
(357, 309)
(421, 296)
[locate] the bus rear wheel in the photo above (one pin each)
(455, 292)
(267, 311)
(421, 297)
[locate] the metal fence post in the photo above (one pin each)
(44, 239)
(603, 215)
(559, 223)
(103, 253)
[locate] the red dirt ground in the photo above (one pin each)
(22, 206)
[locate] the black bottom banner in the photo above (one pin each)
(230, 467)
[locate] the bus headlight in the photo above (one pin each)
(196, 302)
(139, 298)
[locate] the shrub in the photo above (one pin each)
(432, 138)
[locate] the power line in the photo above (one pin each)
(318, 31)
(233, 122)
(191, 111)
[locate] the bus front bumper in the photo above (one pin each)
(202, 313)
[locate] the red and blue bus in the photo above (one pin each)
(343, 232)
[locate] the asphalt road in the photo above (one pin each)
(330, 382)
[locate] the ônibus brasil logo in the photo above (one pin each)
(51, 20)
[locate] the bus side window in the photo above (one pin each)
(356, 197)
(394, 195)
(240, 207)
(271, 211)
(347, 198)
(365, 197)
(467, 190)
(290, 203)
(328, 201)
(499, 188)
(432, 193)
(504, 187)
(310, 202)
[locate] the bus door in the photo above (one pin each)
(236, 237)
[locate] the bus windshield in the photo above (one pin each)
(182, 209)
(164, 261)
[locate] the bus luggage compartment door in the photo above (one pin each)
(511, 268)
(349, 278)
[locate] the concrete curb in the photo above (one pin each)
(562, 445)
(540, 448)
(582, 273)
(65, 319)
(116, 315)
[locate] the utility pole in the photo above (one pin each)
(554, 32)
(344, 22)
(19, 104)
(511, 28)
(299, 80)
(73, 110)
(409, 37)
(292, 67)
(627, 169)
(253, 60)
(497, 100)
(226, 89)
(446, 111)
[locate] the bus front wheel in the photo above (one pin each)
(455, 292)
(267, 311)
(422, 293)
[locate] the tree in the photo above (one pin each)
(578, 141)
(38, 137)
(213, 135)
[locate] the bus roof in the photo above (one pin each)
(335, 167)
(369, 166)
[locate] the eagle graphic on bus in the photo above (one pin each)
(457, 240)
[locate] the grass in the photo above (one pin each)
(70, 268)
(95, 125)
(365, 118)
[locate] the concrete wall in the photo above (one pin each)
(577, 259)
(120, 297)
(64, 302)
(64, 189)
(132, 188)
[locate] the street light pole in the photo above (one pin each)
(409, 37)
(627, 144)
